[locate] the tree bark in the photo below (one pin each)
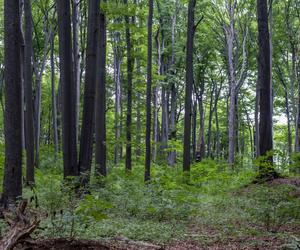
(148, 99)
(54, 101)
(100, 122)
(194, 126)
(76, 58)
(68, 89)
(172, 128)
(189, 86)
(29, 129)
(12, 182)
(264, 80)
(129, 93)
(87, 130)
(118, 94)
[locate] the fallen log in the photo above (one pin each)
(20, 227)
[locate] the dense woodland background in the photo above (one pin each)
(152, 120)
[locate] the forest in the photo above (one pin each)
(142, 124)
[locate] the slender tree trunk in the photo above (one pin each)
(129, 93)
(189, 86)
(232, 89)
(100, 118)
(287, 110)
(194, 125)
(164, 123)
(155, 105)
(12, 182)
(68, 89)
(87, 130)
(29, 129)
(148, 101)
(76, 59)
(155, 123)
(201, 141)
(172, 154)
(256, 119)
(218, 135)
(54, 102)
(138, 117)
(118, 94)
(22, 54)
(38, 92)
(288, 116)
(211, 111)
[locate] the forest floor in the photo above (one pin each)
(217, 209)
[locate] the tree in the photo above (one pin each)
(12, 183)
(234, 83)
(189, 86)
(68, 89)
(76, 58)
(265, 86)
(87, 131)
(100, 119)
(29, 129)
(129, 92)
(54, 99)
(148, 93)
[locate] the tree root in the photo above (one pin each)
(20, 228)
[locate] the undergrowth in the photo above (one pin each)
(214, 204)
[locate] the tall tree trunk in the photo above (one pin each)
(156, 135)
(68, 89)
(100, 117)
(54, 102)
(189, 86)
(38, 71)
(12, 182)
(22, 54)
(148, 101)
(87, 130)
(138, 116)
(29, 129)
(232, 89)
(172, 154)
(76, 58)
(118, 95)
(129, 93)
(264, 80)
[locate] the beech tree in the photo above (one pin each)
(148, 98)
(12, 182)
(29, 129)
(68, 89)
(129, 92)
(265, 86)
(87, 131)
(189, 86)
(100, 116)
